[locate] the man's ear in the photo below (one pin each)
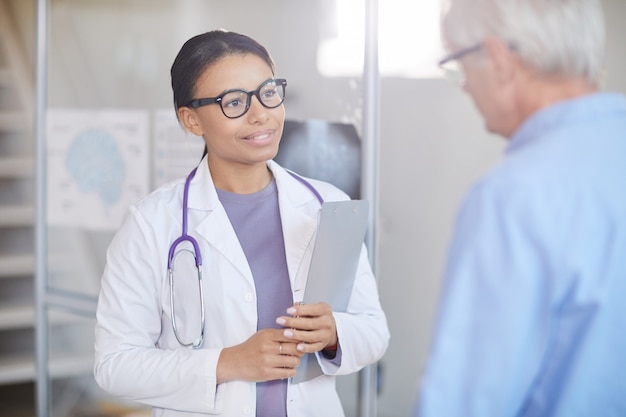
(189, 119)
(504, 61)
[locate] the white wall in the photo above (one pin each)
(430, 153)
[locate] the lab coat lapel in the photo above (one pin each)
(298, 209)
(212, 222)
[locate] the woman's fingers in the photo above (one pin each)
(312, 326)
(266, 355)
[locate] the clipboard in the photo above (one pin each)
(336, 252)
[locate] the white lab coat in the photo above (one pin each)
(137, 355)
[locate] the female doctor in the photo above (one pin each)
(207, 321)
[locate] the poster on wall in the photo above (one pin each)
(176, 151)
(97, 166)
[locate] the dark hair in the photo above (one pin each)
(203, 50)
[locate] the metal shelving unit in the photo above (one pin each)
(18, 308)
(17, 259)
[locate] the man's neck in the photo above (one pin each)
(544, 91)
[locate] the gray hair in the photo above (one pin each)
(556, 37)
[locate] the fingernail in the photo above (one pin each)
(288, 333)
(281, 321)
(291, 310)
(300, 347)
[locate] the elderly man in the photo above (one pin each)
(532, 316)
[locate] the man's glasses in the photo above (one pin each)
(453, 69)
(451, 66)
(235, 103)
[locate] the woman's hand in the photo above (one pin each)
(311, 326)
(265, 356)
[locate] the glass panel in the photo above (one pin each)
(73, 391)
(112, 137)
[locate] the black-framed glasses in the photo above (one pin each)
(235, 103)
(450, 65)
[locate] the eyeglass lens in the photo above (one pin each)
(235, 103)
(453, 71)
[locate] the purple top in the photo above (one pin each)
(256, 220)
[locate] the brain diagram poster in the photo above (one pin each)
(97, 166)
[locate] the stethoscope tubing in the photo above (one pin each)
(197, 255)
(185, 237)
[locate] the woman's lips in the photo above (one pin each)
(261, 137)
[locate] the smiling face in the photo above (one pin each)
(245, 142)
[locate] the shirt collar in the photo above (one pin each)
(581, 109)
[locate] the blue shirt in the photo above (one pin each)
(532, 315)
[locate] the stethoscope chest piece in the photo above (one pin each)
(195, 253)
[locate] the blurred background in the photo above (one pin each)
(111, 136)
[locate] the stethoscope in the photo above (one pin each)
(185, 237)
